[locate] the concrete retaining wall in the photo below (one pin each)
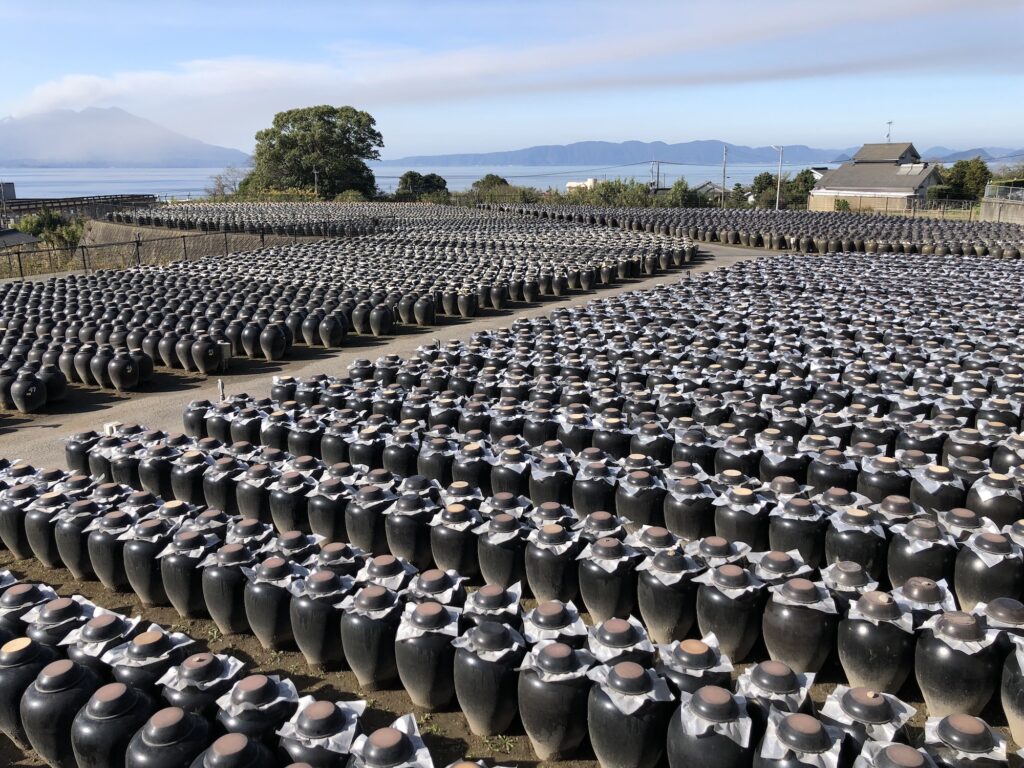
(1002, 210)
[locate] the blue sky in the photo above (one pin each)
(479, 76)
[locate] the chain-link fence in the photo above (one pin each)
(22, 264)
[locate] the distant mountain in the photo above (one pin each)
(609, 153)
(988, 154)
(104, 138)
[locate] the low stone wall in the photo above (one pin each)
(1002, 210)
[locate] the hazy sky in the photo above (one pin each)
(479, 76)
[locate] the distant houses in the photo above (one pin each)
(880, 177)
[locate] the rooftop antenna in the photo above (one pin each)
(888, 132)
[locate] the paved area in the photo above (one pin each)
(39, 439)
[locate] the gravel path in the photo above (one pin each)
(38, 439)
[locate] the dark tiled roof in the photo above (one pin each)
(876, 177)
(11, 237)
(884, 153)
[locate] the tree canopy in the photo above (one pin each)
(489, 182)
(415, 186)
(323, 147)
(966, 179)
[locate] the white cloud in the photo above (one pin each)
(225, 100)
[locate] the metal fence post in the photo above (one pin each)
(85, 259)
(184, 248)
(21, 271)
(138, 248)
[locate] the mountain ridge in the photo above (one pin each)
(68, 139)
(697, 152)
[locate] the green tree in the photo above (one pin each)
(415, 186)
(841, 205)
(737, 197)
(489, 182)
(967, 178)
(323, 146)
(53, 229)
(763, 182)
(799, 187)
(678, 195)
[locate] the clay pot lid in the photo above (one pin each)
(959, 626)
(730, 576)
(370, 493)
(490, 636)
(22, 491)
(557, 658)
(504, 500)
(455, 513)
(840, 497)
(938, 472)
(552, 533)
(601, 521)
(104, 627)
(292, 479)
(741, 495)
(629, 678)
(21, 469)
(78, 482)
(58, 675)
(248, 526)
(387, 747)
(671, 560)
(681, 469)
(433, 580)
(900, 756)
(617, 633)
(866, 705)
(166, 726)
(149, 644)
(800, 590)
(341, 470)
(897, 506)
(200, 667)
(608, 548)
(857, 517)
(21, 595)
(335, 552)
(995, 543)
(273, 568)
(922, 590)
(641, 478)
(384, 565)
(715, 546)
(714, 703)
(503, 523)
(375, 598)
(923, 528)
(52, 499)
(141, 499)
(784, 485)
(430, 615)
(657, 537)
(775, 677)
(695, 654)
(254, 689)
(1006, 610)
(778, 562)
(258, 471)
(998, 480)
(111, 700)
(803, 733)
(800, 507)
(322, 582)
(230, 748)
(879, 605)
(551, 614)
(18, 651)
(966, 733)
(186, 540)
(320, 719)
(292, 541)
(915, 458)
(60, 609)
(417, 483)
